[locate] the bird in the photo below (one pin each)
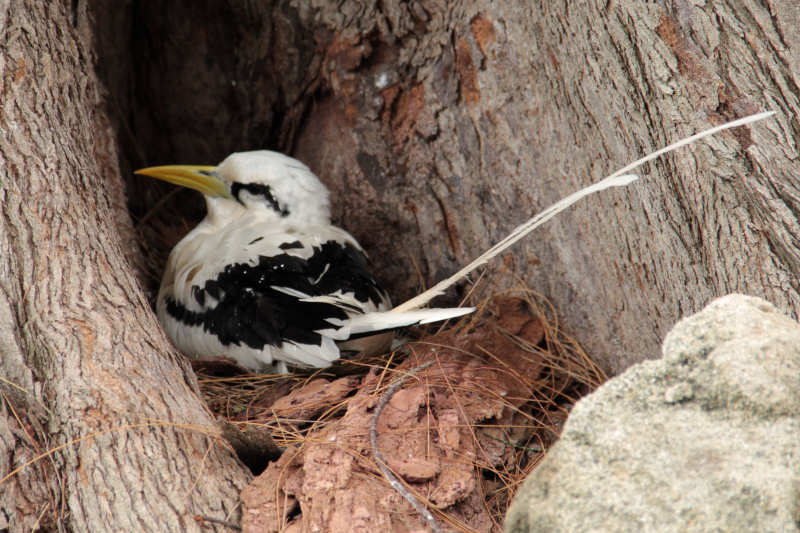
(265, 278)
(268, 281)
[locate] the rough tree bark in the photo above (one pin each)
(438, 125)
(80, 351)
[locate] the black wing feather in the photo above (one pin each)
(249, 311)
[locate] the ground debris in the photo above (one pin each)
(461, 434)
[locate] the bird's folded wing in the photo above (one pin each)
(268, 300)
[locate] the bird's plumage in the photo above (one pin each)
(265, 279)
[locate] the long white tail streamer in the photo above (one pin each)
(617, 179)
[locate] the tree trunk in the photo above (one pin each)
(438, 125)
(84, 364)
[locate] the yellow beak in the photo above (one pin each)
(197, 177)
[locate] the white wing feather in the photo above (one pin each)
(386, 320)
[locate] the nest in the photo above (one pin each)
(461, 434)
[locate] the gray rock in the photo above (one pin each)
(705, 439)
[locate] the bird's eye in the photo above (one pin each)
(252, 194)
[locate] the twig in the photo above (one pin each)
(381, 462)
(205, 429)
(29, 393)
(216, 521)
(534, 449)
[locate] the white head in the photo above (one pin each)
(262, 181)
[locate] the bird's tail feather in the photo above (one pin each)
(619, 178)
(379, 321)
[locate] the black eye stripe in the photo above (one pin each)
(258, 189)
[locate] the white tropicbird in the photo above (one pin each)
(266, 280)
